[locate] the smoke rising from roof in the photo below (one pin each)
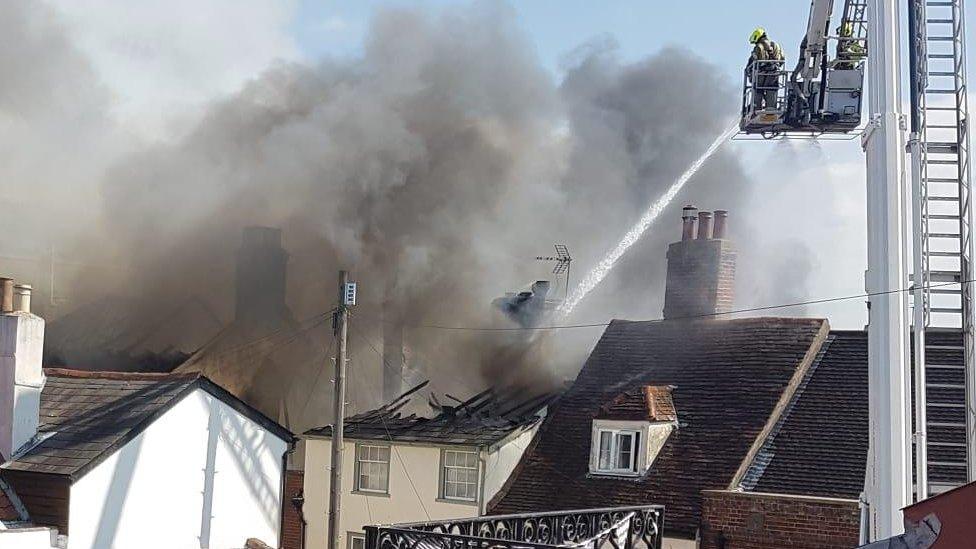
(434, 167)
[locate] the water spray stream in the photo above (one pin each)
(603, 268)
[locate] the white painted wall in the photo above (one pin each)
(677, 543)
(501, 461)
(21, 378)
(200, 471)
(28, 538)
(411, 466)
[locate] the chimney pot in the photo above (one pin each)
(23, 297)
(704, 225)
(6, 295)
(721, 224)
(688, 215)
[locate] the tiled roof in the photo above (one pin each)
(9, 512)
(819, 444)
(728, 376)
(86, 416)
(482, 420)
(646, 403)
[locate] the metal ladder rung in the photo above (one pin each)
(950, 425)
(938, 21)
(940, 216)
(940, 92)
(944, 199)
(940, 73)
(946, 385)
(945, 367)
(945, 347)
(948, 464)
(941, 56)
(943, 162)
(945, 310)
(940, 38)
(944, 405)
(948, 444)
(942, 179)
(940, 108)
(944, 291)
(943, 235)
(942, 254)
(942, 127)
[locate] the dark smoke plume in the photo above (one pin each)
(434, 167)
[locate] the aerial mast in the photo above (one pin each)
(888, 486)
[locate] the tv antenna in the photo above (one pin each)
(562, 260)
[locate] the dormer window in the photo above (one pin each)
(630, 430)
(618, 451)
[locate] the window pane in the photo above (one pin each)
(624, 441)
(606, 439)
(460, 475)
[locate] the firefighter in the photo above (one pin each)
(850, 52)
(766, 58)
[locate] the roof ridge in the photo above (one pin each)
(761, 460)
(121, 376)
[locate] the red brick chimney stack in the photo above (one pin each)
(701, 268)
(704, 225)
(688, 216)
(721, 220)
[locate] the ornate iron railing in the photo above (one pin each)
(638, 527)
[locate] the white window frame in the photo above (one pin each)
(614, 451)
(352, 538)
(442, 490)
(357, 486)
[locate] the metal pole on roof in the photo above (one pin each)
(347, 298)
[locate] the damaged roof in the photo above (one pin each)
(482, 420)
(728, 377)
(86, 416)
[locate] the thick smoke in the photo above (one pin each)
(435, 167)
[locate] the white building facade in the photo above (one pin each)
(395, 481)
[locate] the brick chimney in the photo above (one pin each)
(21, 375)
(261, 269)
(701, 267)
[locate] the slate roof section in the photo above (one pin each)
(729, 376)
(86, 416)
(483, 420)
(645, 403)
(819, 444)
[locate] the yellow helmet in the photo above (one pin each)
(757, 35)
(846, 30)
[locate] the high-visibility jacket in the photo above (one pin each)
(767, 50)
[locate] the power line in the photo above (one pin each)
(389, 436)
(686, 317)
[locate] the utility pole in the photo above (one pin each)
(347, 298)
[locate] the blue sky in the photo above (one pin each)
(715, 29)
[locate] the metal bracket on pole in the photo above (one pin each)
(871, 127)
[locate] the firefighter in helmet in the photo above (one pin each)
(850, 51)
(763, 69)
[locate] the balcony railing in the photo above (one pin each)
(613, 528)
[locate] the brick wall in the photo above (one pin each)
(772, 521)
(291, 528)
(701, 278)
